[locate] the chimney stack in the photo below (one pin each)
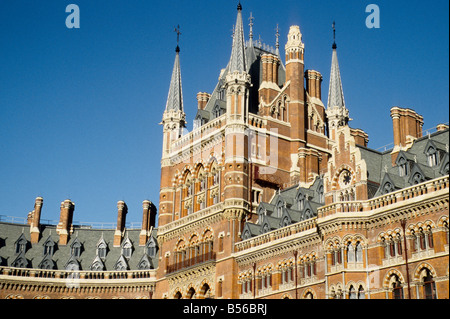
(64, 228)
(34, 220)
(314, 83)
(441, 127)
(122, 210)
(407, 125)
(202, 99)
(269, 87)
(148, 221)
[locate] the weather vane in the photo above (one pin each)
(334, 35)
(177, 30)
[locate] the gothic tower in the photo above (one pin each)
(174, 121)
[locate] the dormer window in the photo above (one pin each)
(101, 251)
(49, 247)
(300, 201)
(402, 167)
(75, 248)
(321, 195)
(417, 179)
(432, 156)
(127, 248)
(21, 244)
(102, 248)
(151, 247)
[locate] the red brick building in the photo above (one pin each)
(272, 195)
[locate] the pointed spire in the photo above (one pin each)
(237, 60)
(175, 97)
(251, 28)
(335, 92)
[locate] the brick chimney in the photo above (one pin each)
(314, 83)
(122, 210)
(34, 220)
(64, 227)
(361, 137)
(269, 87)
(441, 127)
(202, 99)
(148, 221)
(407, 125)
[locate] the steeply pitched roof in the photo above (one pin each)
(238, 59)
(175, 97)
(335, 91)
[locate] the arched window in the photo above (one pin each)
(417, 178)
(350, 253)
(429, 286)
(191, 293)
(447, 232)
(178, 295)
(309, 295)
(352, 293)
(300, 199)
(397, 288)
(429, 235)
(361, 293)
(359, 254)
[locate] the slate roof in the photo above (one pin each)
(380, 169)
(89, 238)
(284, 210)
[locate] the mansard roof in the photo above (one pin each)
(268, 218)
(88, 238)
(380, 169)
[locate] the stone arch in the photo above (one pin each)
(332, 242)
(208, 234)
(388, 278)
(205, 290)
(418, 272)
(354, 238)
(191, 292)
(309, 291)
(180, 244)
(178, 294)
(337, 173)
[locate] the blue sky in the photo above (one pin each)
(79, 108)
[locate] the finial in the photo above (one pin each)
(177, 30)
(277, 35)
(334, 35)
(239, 7)
(251, 26)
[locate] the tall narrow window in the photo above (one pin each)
(397, 289)
(361, 293)
(359, 254)
(350, 253)
(352, 293)
(429, 286)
